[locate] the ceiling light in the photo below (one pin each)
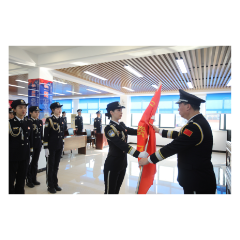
(58, 81)
(23, 94)
(189, 84)
(229, 83)
(128, 89)
(94, 75)
(73, 92)
(79, 63)
(181, 65)
(21, 81)
(92, 90)
(15, 86)
(155, 86)
(58, 93)
(133, 71)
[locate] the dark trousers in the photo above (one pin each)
(205, 191)
(33, 166)
(113, 180)
(17, 174)
(52, 167)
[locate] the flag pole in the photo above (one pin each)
(140, 175)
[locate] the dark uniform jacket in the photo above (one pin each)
(20, 139)
(98, 124)
(193, 144)
(53, 133)
(79, 122)
(118, 147)
(37, 126)
(64, 123)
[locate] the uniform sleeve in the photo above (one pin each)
(82, 122)
(41, 130)
(95, 123)
(169, 134)
(31, 137)
(76, 126)
(130, 131)
(191, 135)
(112, 136)
(46, 133)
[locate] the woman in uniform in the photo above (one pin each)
(37, 125)
(20, 147)
(116, 163)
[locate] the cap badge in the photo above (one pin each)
(22, 101)
(58, 103)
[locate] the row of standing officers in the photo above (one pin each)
(26, 141)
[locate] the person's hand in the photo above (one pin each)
(46, 152)
(143, 161)
(156, 129)
(143, 155)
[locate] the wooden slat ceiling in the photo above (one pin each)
(207, 68)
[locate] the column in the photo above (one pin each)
(126, 102)
(40, 88)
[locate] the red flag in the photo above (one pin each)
(143, 132)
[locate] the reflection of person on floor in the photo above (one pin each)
(97, 169)
(193, 144)
(116, 163)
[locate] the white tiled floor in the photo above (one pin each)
(82, 174)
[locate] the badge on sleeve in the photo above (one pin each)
(46, 125)
(187, 132)
(111, 133)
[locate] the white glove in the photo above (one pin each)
(46, 152)
(160, 131)
(143, 155)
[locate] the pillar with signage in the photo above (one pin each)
(40, 88)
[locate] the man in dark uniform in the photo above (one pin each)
(65, 120)
(98, 123)
(11, 113)
(116, 163)
(193, 144)
(37, 125)
(53, 145)
(79, 121)
(20, 147)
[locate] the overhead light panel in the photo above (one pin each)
(128, 89)
(58, 81)
(73, 92)
(155, 86)
(15, 86)
(23, 94)
(133, 71)
(79, 63)
(93, 91)
(58, 93)
(94, 75)
(229, 83)
(181, 65)
(189, 84)
(21, 81)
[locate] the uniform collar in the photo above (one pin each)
(193, 117)
(115, 122)
(19, 119)
(34, 119)
(55, 116)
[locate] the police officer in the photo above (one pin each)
(193, 145)
(11, 113)
(79, 121)
(20, 147)
(98, 123)
(65, 120)
(37, 125)
(53, 145)
(116, 163)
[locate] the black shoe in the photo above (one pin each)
(58, 188)
(51, 190)
(29, 184)
(36, 183)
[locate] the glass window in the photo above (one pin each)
(167, 120)
(103, 119)
(136, 117)
(213, 120)
(222, 121)
(180, 122)
(67, 105)
(93, 116)
(86, 118)
(166, 173)
(218, 103)
(228, 121)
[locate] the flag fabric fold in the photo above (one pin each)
(146, 136)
